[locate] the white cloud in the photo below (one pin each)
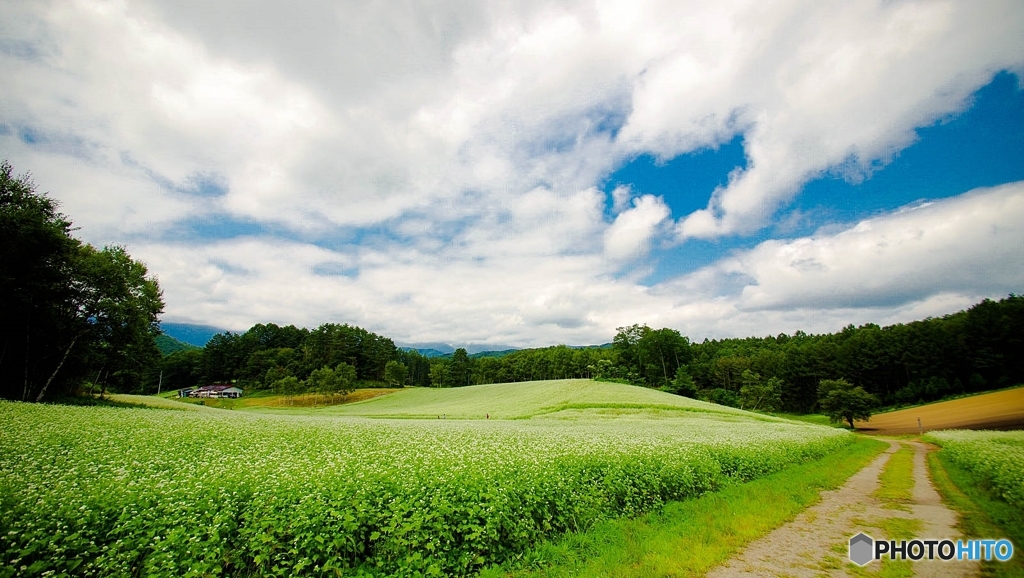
(970, 244)
(924, 260)
(456, 150)
(630, 235)
(913, 263)
(813, 86)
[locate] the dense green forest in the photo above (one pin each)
(969, 351)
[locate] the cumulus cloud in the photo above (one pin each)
(970, 244)
(923, 260)
(813, 88)
(434, 172)
(630, 234)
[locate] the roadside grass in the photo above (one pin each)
(691, 537)
(896, 484)
(982, 514)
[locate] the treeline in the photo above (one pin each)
(974, 350)
(267, 354)
(970, 351)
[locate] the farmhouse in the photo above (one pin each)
(213, 390)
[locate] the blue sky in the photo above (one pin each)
(980, 146)
(526, 174)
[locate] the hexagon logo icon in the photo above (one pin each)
(861, 549)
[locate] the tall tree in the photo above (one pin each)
(69, 311)
(120, 311)
(36, 279)
(395, 373)
(459, 368)
(345, 378)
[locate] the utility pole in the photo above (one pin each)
(160, 383)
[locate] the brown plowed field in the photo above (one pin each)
(999, 410)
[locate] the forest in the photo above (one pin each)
(968, 351)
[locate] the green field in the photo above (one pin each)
(525, 400)
(981, 474)
(101, 491)
(996, 457)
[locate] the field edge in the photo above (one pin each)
(691, 537)
(980, 514)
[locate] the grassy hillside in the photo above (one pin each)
(556, 398)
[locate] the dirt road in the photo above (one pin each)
(816, 542)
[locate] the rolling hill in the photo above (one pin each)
(554, 398)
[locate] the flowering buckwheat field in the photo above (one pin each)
(997, 456)
(97, 491)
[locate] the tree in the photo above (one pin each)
(682, 384)
(181, 369)
(758, 394)
(841, 400)
(274, 375)
(120, 308)
(395, 373)
(70, 312)
(722, 397)
(459, 369)
(37, 251)
(288, 386)
(345, 378)
(323, 381)
(663, 351)
(439, 373)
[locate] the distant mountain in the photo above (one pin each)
(438, 349)
(196, 335)
(602, 346)
(501, 353)
(168, 345)
(432, 349)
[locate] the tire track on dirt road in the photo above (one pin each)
(815, 543)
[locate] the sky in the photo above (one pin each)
(531, 173)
